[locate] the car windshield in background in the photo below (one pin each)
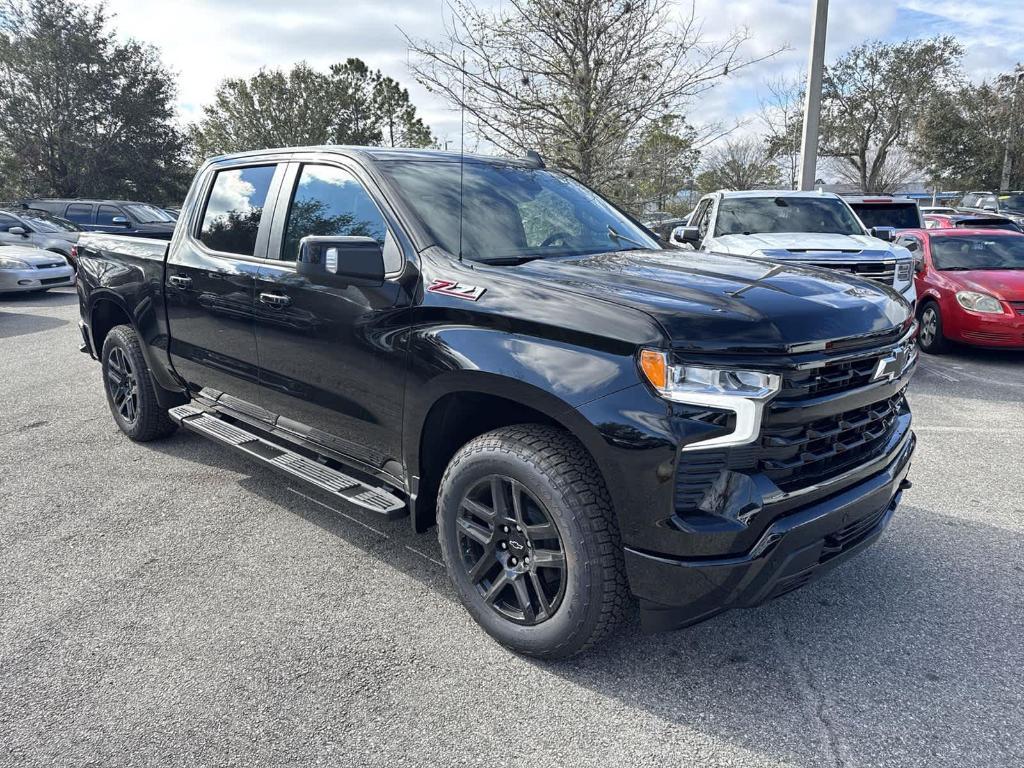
(512, 213)
(898, 215)
(978, 252)
(147, 214)
(1014, 201)
(784, 214)
(42, 222)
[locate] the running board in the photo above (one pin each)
(297, 466)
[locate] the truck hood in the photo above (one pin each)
(712, 301)
(795, 244)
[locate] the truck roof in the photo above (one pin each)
(774, 193)
(381, 154)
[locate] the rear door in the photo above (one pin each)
(332, 361)
(210, 278)
(83, 214)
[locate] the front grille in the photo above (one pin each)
(833, 377)
(53, 280)
(54, 265)
(1018, 307)
(992, 337)
(880, 271)
(797, 456)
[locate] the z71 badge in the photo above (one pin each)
(456, 289)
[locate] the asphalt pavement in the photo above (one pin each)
(171, 604)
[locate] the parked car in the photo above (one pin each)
(970, 221)
(581, 411)
(19, 226)
(970, 284)
(886, 211)
(815, 228)
(24, 268)
(937, 209)
(1009, 204)
(120, 217)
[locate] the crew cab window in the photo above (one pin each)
(234, 209)
(330, 201)
(79, 213)
(106, 213)
(969, 201)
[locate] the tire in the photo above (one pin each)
(131, 393)
(930, 337)
(566, 517)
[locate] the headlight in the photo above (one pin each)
(979, 302)
(6, 262)
(742, 392)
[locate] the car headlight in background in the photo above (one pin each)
(6, 262)
(979, 302)
(742, 392)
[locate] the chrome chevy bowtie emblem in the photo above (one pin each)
(891, 366)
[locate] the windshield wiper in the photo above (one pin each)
(623, 239)
(509, 261)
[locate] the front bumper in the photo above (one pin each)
(983, 330)
(803, 545)
(17, 280)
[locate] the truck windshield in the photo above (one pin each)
(147, 214)
(978, 252)
(785, 214)
(898, 215)
(511, 213)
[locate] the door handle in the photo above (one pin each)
(179, 281)
(275, 299)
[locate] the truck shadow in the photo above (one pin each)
(54, 298)
(22, 324)
(909, 653)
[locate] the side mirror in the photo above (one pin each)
(119, 221)
(884, 233)
(919, 264)
(990, 207)
(338, 260)
(911, 245)
(689, 235)
(17, 231)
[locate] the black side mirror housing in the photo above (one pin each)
(884, 233)
(689, 235)
(341, 260)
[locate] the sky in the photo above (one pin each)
(204, 41)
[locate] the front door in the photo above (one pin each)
(332, 358)
(210, 281)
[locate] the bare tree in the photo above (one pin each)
(738, 164)
(781, 113)
(574, 79)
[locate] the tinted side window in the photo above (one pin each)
(234, 209)
(6, 222)
(703, 218)
(106, 214)
(330, 201)
(79, 212)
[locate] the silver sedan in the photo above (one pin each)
(32, 269)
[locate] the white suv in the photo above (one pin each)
(815, 228)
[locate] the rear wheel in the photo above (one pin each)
(530, 541)
(930, 336)
(131, 392)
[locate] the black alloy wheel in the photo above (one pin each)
(124, 386)
(511, 550)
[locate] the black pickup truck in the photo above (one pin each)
(593, 421)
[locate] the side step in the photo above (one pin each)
(293, 464)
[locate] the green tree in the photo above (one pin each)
(348, 104)
(663, 161)
(80, 113)
(872, 98)
(960, 137)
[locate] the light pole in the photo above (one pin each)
(1004, 181)
(812, 106)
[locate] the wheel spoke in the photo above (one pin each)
(498, 498)
(497, 586)
(476, 532)
(517, 503)
(523, 597)
(541, 531)
(478, 509)
(538, 587)
(483, 566)
(548, 558)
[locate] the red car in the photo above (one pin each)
(968, 221)
(970, 286)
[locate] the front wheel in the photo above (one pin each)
(530, 541)
(930, 336)
(131, 392)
